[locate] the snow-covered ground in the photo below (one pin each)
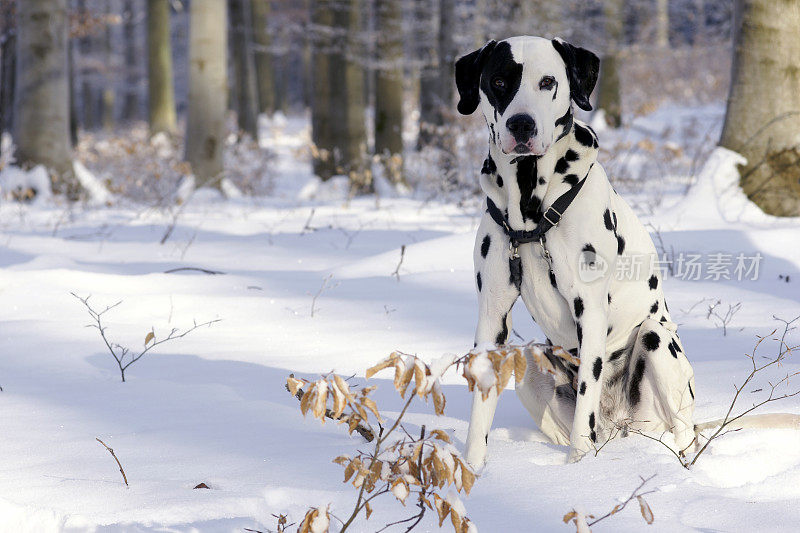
(211, 407)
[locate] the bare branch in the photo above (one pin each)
(111, 451)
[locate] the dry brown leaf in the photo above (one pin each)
(320, 402)
(342, 385)
(367, 509)
(440, 434)
(647, 513)
(520, 365)
(506, 369)
(294, 384)
(442, 508)
(439, 401)
(572, 515)
(305, 402)
(386, 363)
(150, 336)
(467, 477)
(342, 459)
(372, 406)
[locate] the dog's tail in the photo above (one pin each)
(761, 421)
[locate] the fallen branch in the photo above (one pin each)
(195, 269)
(111, 451)
(396, 272)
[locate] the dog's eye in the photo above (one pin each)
(548, 82)
(499, 83)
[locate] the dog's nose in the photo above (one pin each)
(521, 126)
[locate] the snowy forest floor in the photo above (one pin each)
(211, 407)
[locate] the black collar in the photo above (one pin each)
(549, 219)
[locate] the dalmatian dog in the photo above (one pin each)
(556, 233)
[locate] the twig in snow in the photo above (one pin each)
(307, 228)
(723, 320)
(783, 351)
(111, 451)
(119, 352)
(647, 514)
(396, 272)
(195, 269)
(325, 286)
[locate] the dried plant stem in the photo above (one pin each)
(396, 272)
(111, 451)
(634, 495)
(360, 429)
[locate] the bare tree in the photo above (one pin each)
(245, 96)
(389, 87)
(208, 89)
(160, 89)
(42, 92)
(130, 104)
(260, 12)
(609, 98)
(8, 54)
(763, 118)
(436, 78)
(321, 28)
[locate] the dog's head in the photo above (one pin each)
(524, 85)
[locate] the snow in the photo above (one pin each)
(211, 407)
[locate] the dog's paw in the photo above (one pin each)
(574, 455)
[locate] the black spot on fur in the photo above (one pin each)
(597, 368)
(579, 331)
(503, 335)
(515, 272)
(526, 180)
(577, 304)
(499, 180)
(672, 350)
(499, 63)
(654, 308)
(583, 388)
(487, 241)
(571, 155)
(607, 220)
(675, 346)
(608, 331)
(653, 282)
(588, 248)
(486, 438)
(542, 181)
(617, 354)
(651, 340)
(553, 280)
(609, 298)
(591, 420)
(574, 352)
(571, 179)
(634, 394)
(583, 135)
(690, 389)
(480, 283)
(593, 436)
(561, 166)
(662, 319)
(620, 245)
(489, 166)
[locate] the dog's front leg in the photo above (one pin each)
(496, 296)
(591, 322)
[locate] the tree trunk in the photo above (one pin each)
(263, 55)
(389, 88)
(436, 78)
(347, 118)
(107, 96)
(322, 25)
(244, 78)
(8, 54)
(762, 121)
(130, 107)
(160, 88)
(42, 92)
(662, 23)
(609, 98)
(208, 88)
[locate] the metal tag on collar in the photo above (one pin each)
(514, 249)
(545, 253)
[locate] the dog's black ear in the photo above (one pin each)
(468, 77)
(583, 67)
